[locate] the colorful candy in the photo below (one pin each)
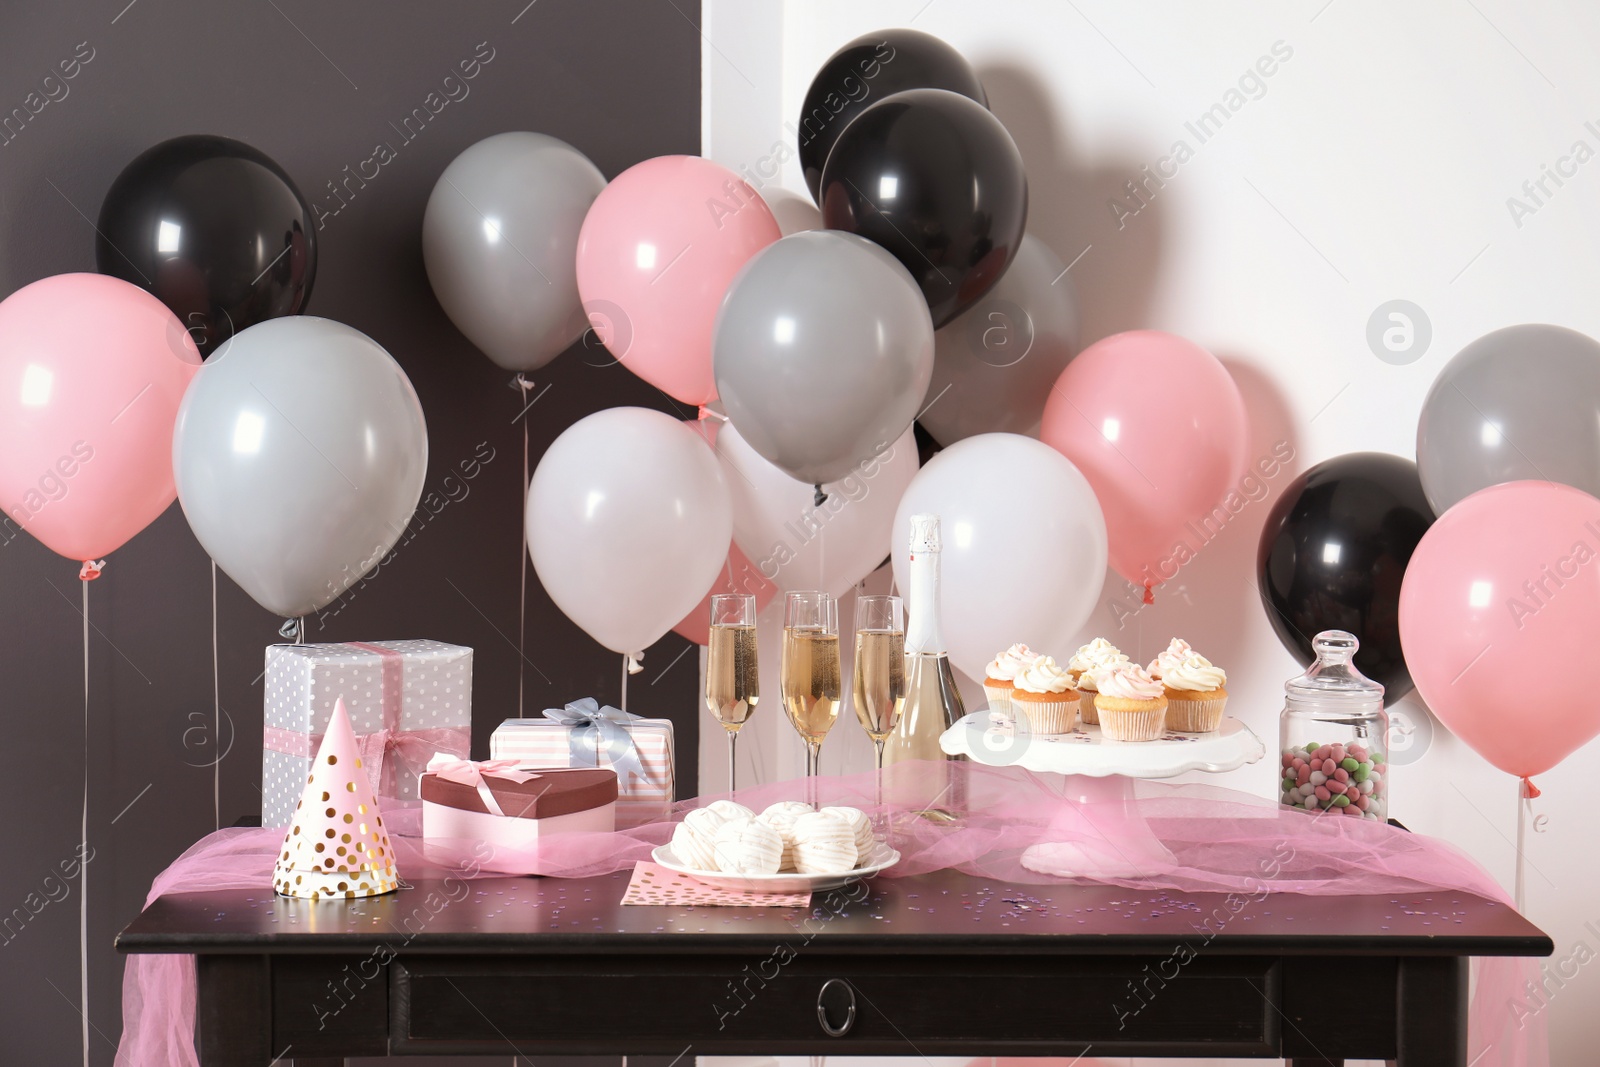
(1335, 779)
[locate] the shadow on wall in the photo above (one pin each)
(1068, 207)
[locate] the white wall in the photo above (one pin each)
(1376, 165)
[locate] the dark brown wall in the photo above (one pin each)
(315, 86)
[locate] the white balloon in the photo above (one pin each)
(797, 544)
(1024, 554)
(628, 524)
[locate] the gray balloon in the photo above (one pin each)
(500, 241)
(822, 352)
(299, 455)
(994, 364)
(1518, 403)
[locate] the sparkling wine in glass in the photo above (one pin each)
(809, 671)
(879, 691)
(733, 681)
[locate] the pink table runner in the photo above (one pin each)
(1203, 839)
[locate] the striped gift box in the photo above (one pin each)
(545, 743)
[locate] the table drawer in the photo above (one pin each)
(794, 1002)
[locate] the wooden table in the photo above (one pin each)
(934, 964)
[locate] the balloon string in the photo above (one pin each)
(216, 711)
(1525, 794)
(627, 664)
(822, 557)
(522, 602)
(300, 630)
(85, 576)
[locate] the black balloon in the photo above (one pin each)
(937, 181)
(865, 71)
(215, 229)
(1333, 553)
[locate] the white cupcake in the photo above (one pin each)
(1096, 655)
(824, 843)
(1045, 694)
(1000, 676)
(1131, 704)
(1196, 694)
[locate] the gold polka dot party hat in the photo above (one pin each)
(337, 847)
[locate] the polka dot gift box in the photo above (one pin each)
(406, 700)
(336, 847)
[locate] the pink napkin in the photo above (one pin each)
(654, 884)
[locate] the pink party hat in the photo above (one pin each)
(337, 846)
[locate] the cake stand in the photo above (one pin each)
(1101, 834)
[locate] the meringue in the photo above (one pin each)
(824, 843)
(860, 825)
(729, 810)
(691, 849)
(781, 817)
(747, 846)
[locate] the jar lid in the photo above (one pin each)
(1334, 676)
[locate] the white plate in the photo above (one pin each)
(985, 739)
(883, 857)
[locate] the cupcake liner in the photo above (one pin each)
(1086, 709)
(1049, 716)
(1197, 714)
(1144, 724)
(999, 699)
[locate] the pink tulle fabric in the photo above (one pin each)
(1007, 824)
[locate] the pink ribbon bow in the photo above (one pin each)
(473, 772)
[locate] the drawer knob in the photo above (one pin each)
(837, 993)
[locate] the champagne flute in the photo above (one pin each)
(733, 682)
(880, 670)
(879, 689)
(809, 671)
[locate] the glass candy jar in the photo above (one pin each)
(1332, 736)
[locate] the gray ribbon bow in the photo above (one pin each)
(599, 735)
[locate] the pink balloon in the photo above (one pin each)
(91, 373)
(1499, 613)
(656, 253)
(738, 576)
(1158, 427)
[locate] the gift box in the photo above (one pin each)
(584, 734)
(510, 806)
(406, 700)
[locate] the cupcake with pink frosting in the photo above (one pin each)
(1097, 655)
(1001, 674)
(1196, 694)
(1045, 694)
(1132, 705)
(1170, 656)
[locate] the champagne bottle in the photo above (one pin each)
(933, 703)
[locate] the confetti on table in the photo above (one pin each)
(654, 884)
